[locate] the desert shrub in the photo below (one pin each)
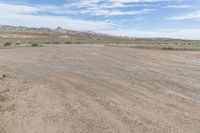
(34, 45)
(7, 44)
(47, 42)
(68, 42)
(17, 43)
(78, 43)
(3, 76)
(167, 48)
(56, 42)
(2, 98)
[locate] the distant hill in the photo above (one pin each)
(48, 35)
(27, 32)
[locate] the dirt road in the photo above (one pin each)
(97, 89)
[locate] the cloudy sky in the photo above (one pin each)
(136, 18)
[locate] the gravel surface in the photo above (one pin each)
(99, 89)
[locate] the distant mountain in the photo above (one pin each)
(27, 32)
(21, 33)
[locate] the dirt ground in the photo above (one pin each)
(99, 89)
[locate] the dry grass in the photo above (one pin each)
(175, 46)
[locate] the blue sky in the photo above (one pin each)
(135, 18)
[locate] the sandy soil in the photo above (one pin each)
(97, 89)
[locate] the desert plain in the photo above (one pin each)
(99, 89)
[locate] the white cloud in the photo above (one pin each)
(54, 21)
(16, 9)
(135, 1)
(99, 12)
(25, 15)
(109, 8)
(124, 1)
(30, 15)
(179, 6)
(114, 5)
(166, 33)
(75, 8)
(189, 16)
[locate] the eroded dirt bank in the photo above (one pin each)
(96, 89)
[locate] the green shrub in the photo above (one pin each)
(167, 48)
(47, 42)
(68, 42)
(34, 45)
(7, 44)
(56, 42)
(17, 43)
(3, 76)
(78, 43)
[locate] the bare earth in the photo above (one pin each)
(99, 89)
